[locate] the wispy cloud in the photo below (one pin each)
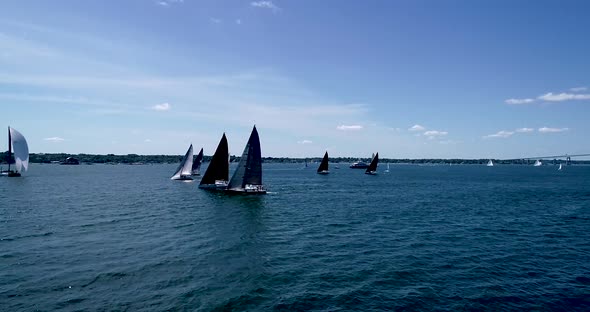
(265, 5)
(416, 128)
(215, 20)
(304, 142)
(351, 127)
(552, 130)
(500, 134)
(550, 97)
(147, 140)
(579, 89)
(55, 139)
(519, 101)
(432, 134)
(525, 130)
(239, 21)
(161, 107)
(166, 3)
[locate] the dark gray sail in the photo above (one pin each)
(373, 166)
(249, 169)
(324, 164)
(197, 163)
(219, 166)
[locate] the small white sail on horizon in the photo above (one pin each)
(387, 170)
(490, 163)
(184, 170)
(538, 163)
(559, 167)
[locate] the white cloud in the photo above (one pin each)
(215, 20)
(161, 107)
(433, 133)
(162, 3)
(416, 128)
(166, 3)
(519, 101)
(525, 130)
(239, 21)
(500, 134)
(55, 139)
(578, 89)
(550, 97)
(351, 127)
(147, 140)
(552, 130)
(304, 142)
(265, 5)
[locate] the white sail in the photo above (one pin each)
(537, 163)
(490, 163)
(559, 167)
(20, 149)
(186, 165)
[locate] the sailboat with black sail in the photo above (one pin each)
(183, 172)
(323, 168)
(18, 144)
(248, 176)
(372, 169)
(216, 176)
(196, 169)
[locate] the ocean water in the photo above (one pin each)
(126, 238)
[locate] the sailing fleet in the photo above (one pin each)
(247, 178)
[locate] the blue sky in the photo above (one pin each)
(409, 79)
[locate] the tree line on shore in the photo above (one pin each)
(47, 158)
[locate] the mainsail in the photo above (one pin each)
(373, 166)
(218, 169)
(196, 170)
(184, 169)
(249, 170)
(324, 164)
(19, 145)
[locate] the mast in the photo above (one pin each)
(9, 148)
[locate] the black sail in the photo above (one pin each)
(197, 162)
(249, 169)
(324, 164)
(219, 166)
(373, 165)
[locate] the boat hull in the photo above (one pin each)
(359, 166)
(246, 192)
(323, 172)
(11, 174)
(371, 172)
(183, 178)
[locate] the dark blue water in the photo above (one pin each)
(419, 238)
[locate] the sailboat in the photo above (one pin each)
(196, 169)
(323, 168)
(490, 163)
(372, 169)
(216, 176)
(247, 178)
(538, 163)
(183, 172)
(18, 143)
(559, 167)
(387, 170)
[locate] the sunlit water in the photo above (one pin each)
(122, 237)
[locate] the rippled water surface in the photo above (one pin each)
(121, 237)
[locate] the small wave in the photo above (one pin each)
(9, 239)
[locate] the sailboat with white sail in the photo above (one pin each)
(559, 167)
(247, 178)
(323, 168)
(490, 163)
(196, 169)
(216, 176)
(184, 170)
(538, 163)
(17, 144)
(372, 169)
(387, 170)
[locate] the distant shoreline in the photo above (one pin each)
(48, 158)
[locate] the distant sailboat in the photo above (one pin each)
(538, 163)
(247, 178)
(559, 167)
(183, 172)
(372, 169)
(323, 168)
(216, 176)
(196, 169)
(490, 163)
(18, 144)
(387, 170)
